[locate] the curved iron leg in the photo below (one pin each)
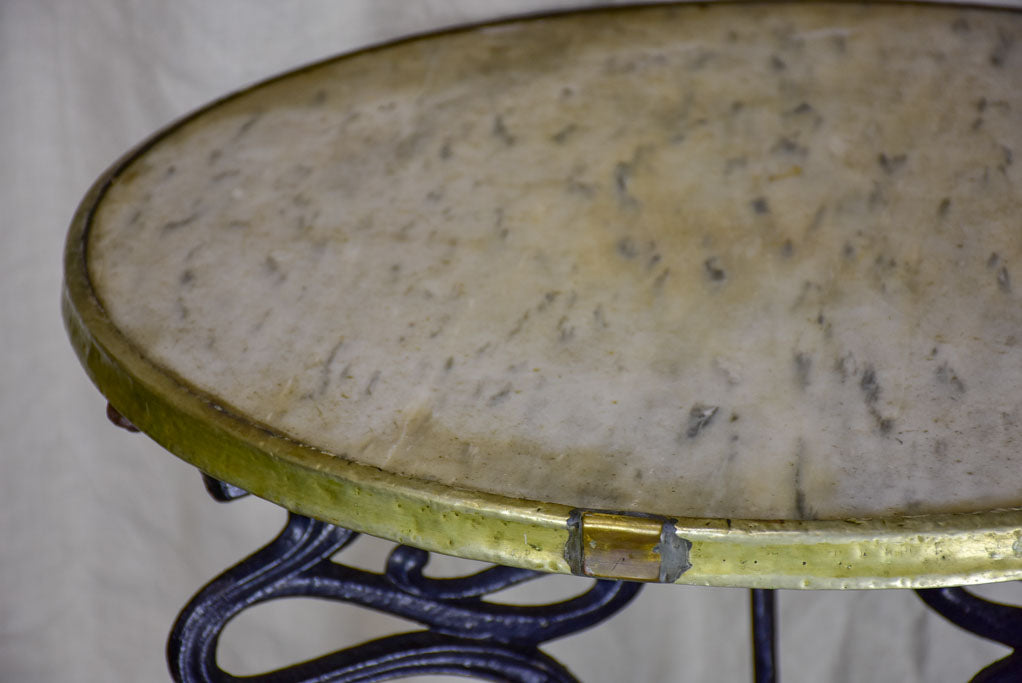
(464, 635)
(986, 619)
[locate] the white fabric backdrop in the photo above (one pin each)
(103, 536)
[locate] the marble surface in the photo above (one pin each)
(737, 261)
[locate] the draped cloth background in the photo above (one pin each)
(104, 536)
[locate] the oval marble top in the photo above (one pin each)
(736, 261)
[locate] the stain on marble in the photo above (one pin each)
(713, 269)
(699, 418)
(803, 367)
(757, 257)
(948, 377)
(1003, 280)
(176, 224)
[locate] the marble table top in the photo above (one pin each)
(737, 261)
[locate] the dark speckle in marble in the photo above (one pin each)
(438, 330)
(373, 379)
(561, 136)
(786, 145)
(224, 175)
(324, 378)
(885, 425)
(548, 299)
(626, 248)
(870, 385)
(272, 268)
(1005, 42)
(501, 396)
(713, 270)
(760, 205)
(804, 117)
(247, 125)
(845, 366)
(803, 367)
(944, 207)
(892, 163)
(622, 174)
(699, 418)
(1004, 280)
(501, 132)
(660, 279)
(565, 332)
(171, 226)
(947, 376)
(182, 310)
(817, 220)
(519, 324)
(802, 508)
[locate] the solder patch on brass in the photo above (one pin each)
(613, 545)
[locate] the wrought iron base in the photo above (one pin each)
(465, 635)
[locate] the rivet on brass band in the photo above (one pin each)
(614, 545)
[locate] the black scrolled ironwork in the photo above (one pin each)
(466, 635)
(986, 619)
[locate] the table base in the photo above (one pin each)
(465, 636)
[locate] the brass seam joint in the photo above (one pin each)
(618, 545)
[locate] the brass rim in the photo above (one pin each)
(906, 552)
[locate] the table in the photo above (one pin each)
(715, 295)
